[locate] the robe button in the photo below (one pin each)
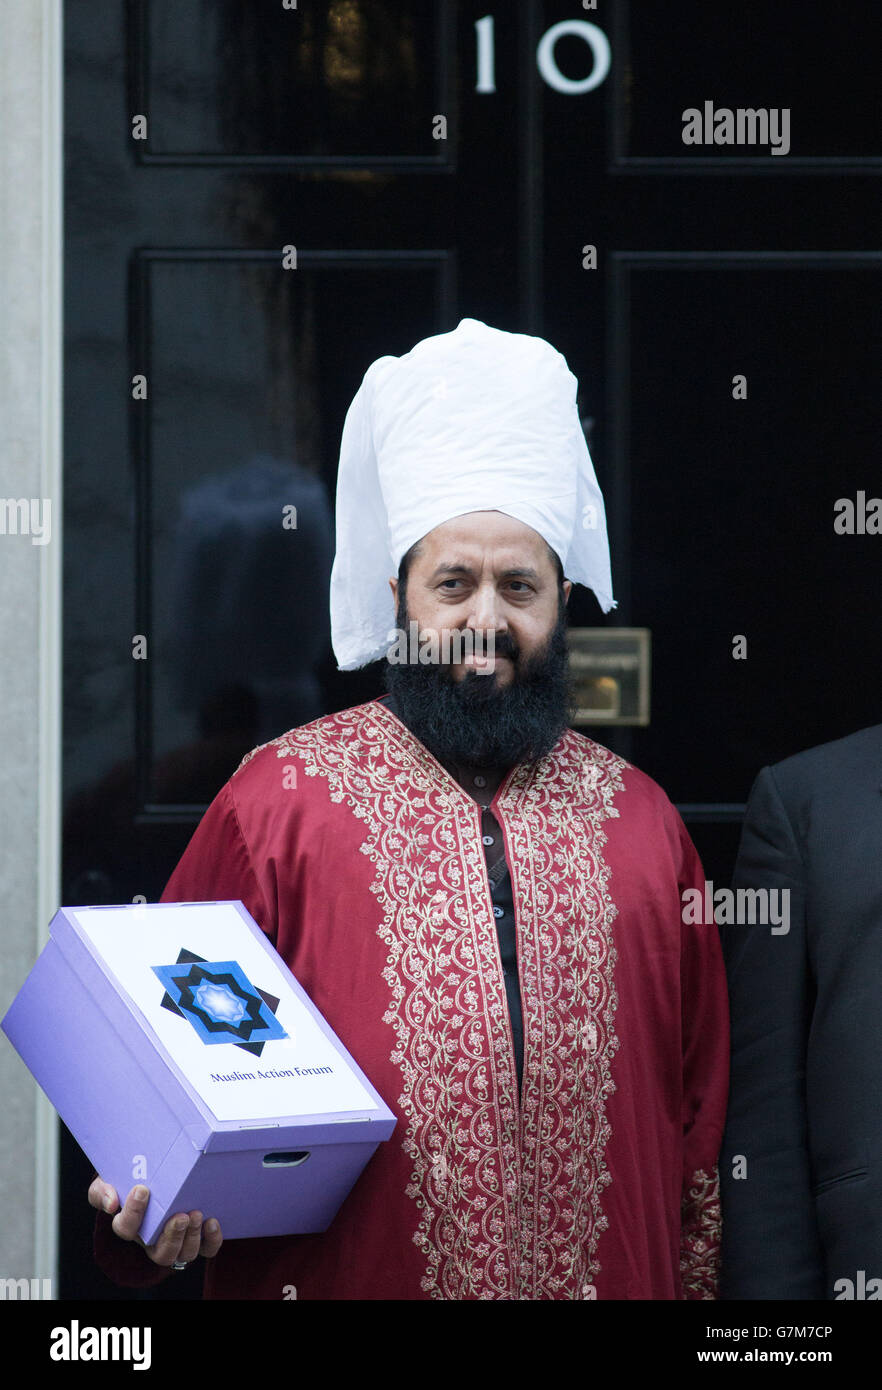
(480, 781)
(488, 839)
(498, 911)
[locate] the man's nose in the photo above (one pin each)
(486, 611)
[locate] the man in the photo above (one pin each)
(484, 905)
(802, 1181)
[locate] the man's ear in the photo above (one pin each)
(567, 589)
(393, 585)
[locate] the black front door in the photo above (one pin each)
(261, 199)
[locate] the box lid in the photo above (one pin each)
(229, 1021)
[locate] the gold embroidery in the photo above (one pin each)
(553, 814)
(509, 1205)
(700, 1236)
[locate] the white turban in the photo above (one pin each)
(468, 421)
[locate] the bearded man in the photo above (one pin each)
(485, 905)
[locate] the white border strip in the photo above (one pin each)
(50, 695)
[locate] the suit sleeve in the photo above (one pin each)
(216, 866)
(770, 1240)
(705, 1030)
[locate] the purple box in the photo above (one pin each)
(181, 1052)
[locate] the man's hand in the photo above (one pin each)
(181, 1239)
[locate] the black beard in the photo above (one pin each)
(477, 721)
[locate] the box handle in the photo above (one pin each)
(290, 1159)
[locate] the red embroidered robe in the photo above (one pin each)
(361, 857)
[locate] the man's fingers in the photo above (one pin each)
(127, 1223)
(212, 1239)
(182, 1239)
(192, 1239)
(167, 1249)
(102, 1195)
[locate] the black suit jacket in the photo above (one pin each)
(805, 1106)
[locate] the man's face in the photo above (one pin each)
(488, 574)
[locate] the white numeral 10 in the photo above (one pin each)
(595, 38)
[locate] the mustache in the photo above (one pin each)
(474, 640)
(503, 645)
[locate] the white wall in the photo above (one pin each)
(30, 606)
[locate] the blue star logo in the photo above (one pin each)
(219, 1001)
